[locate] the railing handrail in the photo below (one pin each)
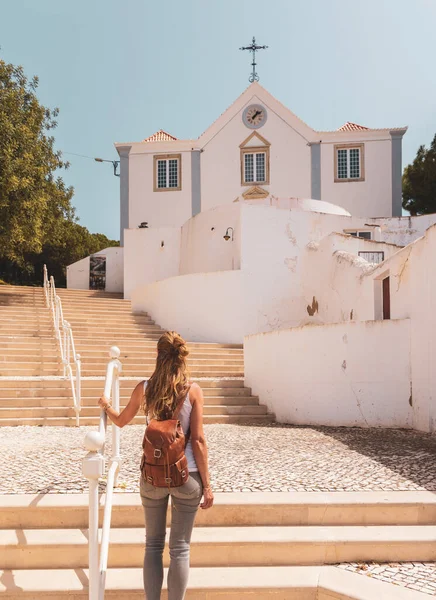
(93, 468)
(64, 335)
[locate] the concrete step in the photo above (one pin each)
(62, 402)
(25, 317)
(17, 356)
(231, 583)
(242, 509)
(44, 412)
(29, 371)
(22, 395)
(122, 330)
(195, 373)
(127, 584)
(31, 384)
(227, 546)
(94, 421)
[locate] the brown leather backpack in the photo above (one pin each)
(164, 463)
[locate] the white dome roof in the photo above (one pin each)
(310, 205)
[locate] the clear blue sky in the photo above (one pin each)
(120, 70)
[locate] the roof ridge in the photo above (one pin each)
(350, 126)
(160, 136)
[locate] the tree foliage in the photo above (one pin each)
(419, 182)
(37, 219)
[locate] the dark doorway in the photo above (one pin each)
(97, 272)
(386, 298)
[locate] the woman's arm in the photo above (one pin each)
(198, 440)
(128, 413)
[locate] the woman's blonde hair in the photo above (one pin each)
(170, 380)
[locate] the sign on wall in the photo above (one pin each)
(97, 272)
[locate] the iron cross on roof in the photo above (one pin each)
(253, 48)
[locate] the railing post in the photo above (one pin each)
(57, 319)
(78, 387)
(93, 468)
(116, 456)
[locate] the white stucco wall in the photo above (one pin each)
(290, 166)
(350, 374)
(145, 258)
(159, 209)
(78, 272)
(78, 275)
(403, 230)
(286, 259)
(334, 277)
(413, 296)
(371, 197)
(202, 307)
(203, 247)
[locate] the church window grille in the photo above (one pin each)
(255, 167)
(349, 163)
(167, 172)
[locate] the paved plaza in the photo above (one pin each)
(242, 457)
(417, 576)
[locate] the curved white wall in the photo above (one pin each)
(203, 307)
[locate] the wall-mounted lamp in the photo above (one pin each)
(143, 225)
(227, 236)
(162, 244)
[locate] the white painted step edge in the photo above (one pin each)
(298, 583)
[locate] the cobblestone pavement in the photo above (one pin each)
(267, 457)
(416, 576)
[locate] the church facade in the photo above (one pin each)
(290, 241)
(256, 149)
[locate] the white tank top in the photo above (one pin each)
(185, 421)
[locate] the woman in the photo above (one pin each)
(159, 399)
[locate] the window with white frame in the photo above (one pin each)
(254, 166)
(349, 163)
(167, 174)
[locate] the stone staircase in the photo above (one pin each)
(27, 344)
(262, 546)
(99, 321)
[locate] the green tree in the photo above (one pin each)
(419, 182)
(32, 197)
(37, 220)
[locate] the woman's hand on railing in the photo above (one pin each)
(104, 403)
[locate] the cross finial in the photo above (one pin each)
(253, 48)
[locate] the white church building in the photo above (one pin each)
(263, 228)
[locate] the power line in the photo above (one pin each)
(81, 155)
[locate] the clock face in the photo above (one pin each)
(254, 116)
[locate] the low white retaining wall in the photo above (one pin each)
(202, 307)
(345, 374)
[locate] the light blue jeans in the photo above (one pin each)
(185, 501)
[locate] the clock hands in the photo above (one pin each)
(258, 112)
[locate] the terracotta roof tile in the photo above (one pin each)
(160, 136)
(348, 126)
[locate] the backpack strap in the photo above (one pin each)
(145, 387)
(179, 407)
(176, 414)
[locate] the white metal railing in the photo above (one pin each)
(64, 335)
(93, 467)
